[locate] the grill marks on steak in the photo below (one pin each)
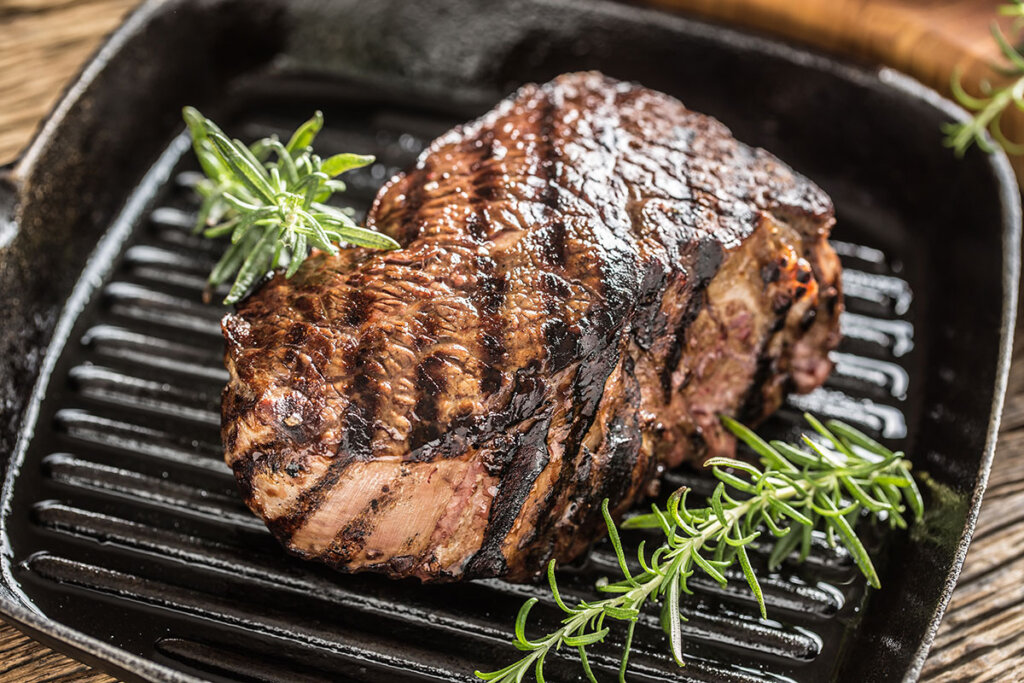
(590, 273)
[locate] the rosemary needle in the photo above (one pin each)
(988, 109)
(794, 491)
(270, 197)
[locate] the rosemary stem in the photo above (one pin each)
(273, 209)
(987, 115)
(650, 582)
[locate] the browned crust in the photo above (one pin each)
(589, 274)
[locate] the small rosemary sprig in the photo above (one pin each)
(994, 101)
(274, 210)
(828, 486)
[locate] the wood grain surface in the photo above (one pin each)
(43, 44)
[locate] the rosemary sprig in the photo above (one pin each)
(827, 485)
(274, 210)
(994, 100)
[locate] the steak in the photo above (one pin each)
(590, 274)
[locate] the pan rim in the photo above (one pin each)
(1009, 197)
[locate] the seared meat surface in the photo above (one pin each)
(590, 274)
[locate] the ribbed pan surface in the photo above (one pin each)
(126, 524)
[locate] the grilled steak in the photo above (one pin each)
(590, 274)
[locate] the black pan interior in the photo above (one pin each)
(155, 557)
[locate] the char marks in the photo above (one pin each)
(430, 382)
(525, 457)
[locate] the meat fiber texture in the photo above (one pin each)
(590, 274)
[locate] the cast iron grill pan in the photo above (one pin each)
(136, 512)
(124, 523)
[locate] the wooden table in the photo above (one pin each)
(43, 43)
